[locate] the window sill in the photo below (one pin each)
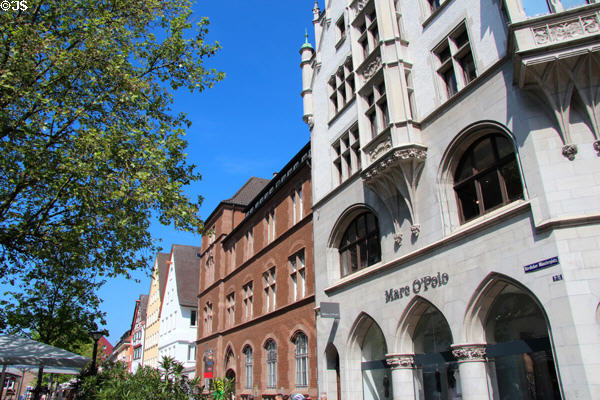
(340, 42)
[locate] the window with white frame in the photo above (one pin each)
(341, 87)
(456, 66)
(248, 296)
(301, 354)
(249, 243)
(271, 348)
(230, 309)
(270, 221)
(191, 352)
(346, 155)
(376, 112)
(270, 290)
(208, 317)
(297, 205)
(298, 275)
(249, 363)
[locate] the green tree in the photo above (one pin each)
(91, 149)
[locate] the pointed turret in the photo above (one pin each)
(306, 53)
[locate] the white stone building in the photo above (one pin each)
(178, 313)
(456, 198)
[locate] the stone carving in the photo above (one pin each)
(597, 146)
(400, 361)
(398, 238)
(310, 121)
(469, 352)
(566, 30)
(361, 4)
(415, 230)
(372, 68)
(381, 148)
(569, 151)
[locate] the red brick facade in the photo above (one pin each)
(274, 240)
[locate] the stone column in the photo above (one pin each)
(472, 370)
(403, 366)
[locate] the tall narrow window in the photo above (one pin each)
(297, 206)
(487, 177)
(377, 113)
(270, 290)
(270, 221)
(192, 352)
(346, 155)
(360, 247)
(193, 318)
(208, 317)
(271, 349)
(341, 87)
(249, 363)
(298, 275)
(249, 244)
(301, 353)
(248, 297)
(230, 309)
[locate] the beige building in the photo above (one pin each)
(153, 313)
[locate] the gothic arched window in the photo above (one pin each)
(360, 247)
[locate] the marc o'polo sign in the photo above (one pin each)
(549, 262)
(418, 285)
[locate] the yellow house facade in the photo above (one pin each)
(153, 314)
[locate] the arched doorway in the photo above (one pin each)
(334, 385)
(436, 376)
(370, 348)
(521, 361)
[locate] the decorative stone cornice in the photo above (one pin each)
(565, 30)
(400, 361)
(394, 176)
(469, 352)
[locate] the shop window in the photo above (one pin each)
(456, 66)
(487, 177)
(519, 352)
(301, 354)
(437, 369)
(271, 349)
(360, 246)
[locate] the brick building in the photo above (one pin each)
(256, 295)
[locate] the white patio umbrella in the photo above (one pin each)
(15, 350)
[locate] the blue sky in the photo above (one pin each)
(250, 124)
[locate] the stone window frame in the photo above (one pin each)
(345, 250)
(367, 30)
(455, 62)
(377, 113)
(341, 87)
(346, 154)
(341, 31)
(297, 199)
(450, 211)
(208, 318)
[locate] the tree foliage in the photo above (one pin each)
(91, 149)
(115, 383)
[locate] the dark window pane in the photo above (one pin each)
(353, 259)
(504, 146)
(371, 223)
(374, 250)
(461, 39)
(363, 253)
(468, 66)
(351, 233)
(490, 189)
(450, 80)
(464, 169)
(512, 180)
(468, 200)
(483, 155)
(361, 229)
(344, 258)
(443, 54)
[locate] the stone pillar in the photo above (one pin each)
(403, 366)
(472, 370)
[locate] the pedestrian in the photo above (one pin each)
(297, 396)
